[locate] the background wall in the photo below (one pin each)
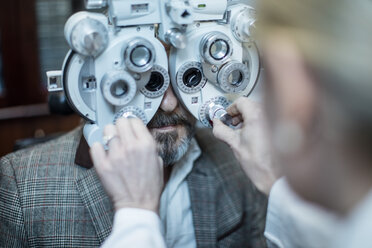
(31, 42)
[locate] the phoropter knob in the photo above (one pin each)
(243, 24)
(214, 108)
(131, 112)
(95, 4)
(176, 38)
(86, 34)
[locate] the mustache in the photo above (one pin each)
(162, 119)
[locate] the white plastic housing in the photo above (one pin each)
(134, 12)
(201, 10)
(242, 52)
(87, 97)
(205, 10)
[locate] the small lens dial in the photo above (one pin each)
(190, 77)
(158, 83)
(234, 77)
(130, 112)
(216, 48)
(139, 55)
(219, 49)
(118, 88)
(204, 110)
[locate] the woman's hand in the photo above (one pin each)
(131, 170)
(249, 142)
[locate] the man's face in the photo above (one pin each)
(172, 127)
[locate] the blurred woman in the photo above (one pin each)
(318, 61)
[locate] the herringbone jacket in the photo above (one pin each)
(48, 200)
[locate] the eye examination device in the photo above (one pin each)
(118, 66)
(219, 62)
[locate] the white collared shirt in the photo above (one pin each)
(175, 206)
(143, 228)
(294, 223)
(355, 230)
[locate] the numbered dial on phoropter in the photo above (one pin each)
(204, 109)
(131, 112)
(139, 55)
(190, 77)
(233, 77)
(158, 83)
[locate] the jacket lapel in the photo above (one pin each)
(203, 205)
(97, 202)
(230, 212)
(218, 208)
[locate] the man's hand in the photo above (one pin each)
(131, 170)
(249, 142)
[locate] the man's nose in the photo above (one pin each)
(170, 101)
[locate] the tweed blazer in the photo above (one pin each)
(48, 200)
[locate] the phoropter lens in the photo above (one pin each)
(119, 88)
(156, 82)
(192, 77)
(140, 56)
(219, 49)
(215, 48)
(235, 78)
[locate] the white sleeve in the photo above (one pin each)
(135, 228)
(293, 222)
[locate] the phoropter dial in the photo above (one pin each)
(214, 108)
(243, 24)
(190, 77)
(158, 83)
(131, 112)
(118, 88)
(139, 55)
(86, 34)
(234, 77)
(216, 48)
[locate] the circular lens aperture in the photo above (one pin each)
(235, 78)
(219, 49)
(216, 48)
(192, 77)
(156, 82)
(140, 56)
(119, 88)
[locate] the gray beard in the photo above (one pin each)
(169, 149)
(171, 152)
